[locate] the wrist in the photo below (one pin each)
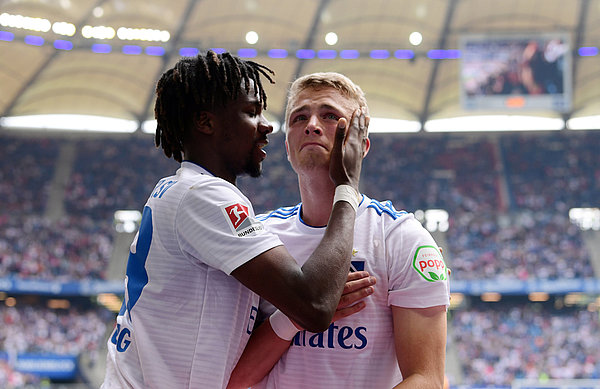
(282, 325)
(347, 193)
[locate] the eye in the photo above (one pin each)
(254, 112)
(298, 118)
(331, 116)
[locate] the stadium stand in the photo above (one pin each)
(120, 175)
(511, 339)
(26, 168)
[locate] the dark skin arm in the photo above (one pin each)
(309, 295)
(265, 348)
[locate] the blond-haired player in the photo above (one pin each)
(399, 338)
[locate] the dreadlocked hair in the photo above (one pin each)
(201, 83)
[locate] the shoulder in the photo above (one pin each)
(391, 220)
(283, 213)
(213, 190)
(383, 209)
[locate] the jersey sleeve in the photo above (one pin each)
(418, 276)
(217, 226)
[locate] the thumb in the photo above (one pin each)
(340, 132)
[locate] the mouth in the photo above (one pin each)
(311, 145)
(261, 144)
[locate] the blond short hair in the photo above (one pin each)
(333, 80)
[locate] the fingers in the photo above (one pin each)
(357, 289)
(349, 302)
(358, 282)
(346, 154)
(344, 312)
(355, 275)
(365, 134)
(354, 296)
(358, 286)
(360, 121)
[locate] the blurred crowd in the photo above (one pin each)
(36, 329)
(543, 244)
(553, 172)
(112, 174)
(505, 341)
(13, 379)
(26, 169)
(40, 330)
(71, 248)
(507, 198)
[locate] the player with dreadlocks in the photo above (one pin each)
(191, 87)
(201, 259)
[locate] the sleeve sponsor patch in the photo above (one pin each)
(428, 262)
(239, 220)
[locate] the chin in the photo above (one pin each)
(254, 171)
(313, 163)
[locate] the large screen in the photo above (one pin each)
(509, 72)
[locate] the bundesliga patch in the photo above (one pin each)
(239, 220)
(429, 264)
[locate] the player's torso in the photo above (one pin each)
(361, 345)
(182, 315)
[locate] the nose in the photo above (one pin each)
(313, 125)
(265, 126)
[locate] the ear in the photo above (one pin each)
(287, 149)
(367, 146)
(204, 122)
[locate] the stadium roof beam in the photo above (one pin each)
(141, 116)
(308, 44)
(44, 65)
(423, 117)
(584, 6)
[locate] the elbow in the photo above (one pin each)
(318, 319)
(321, 326)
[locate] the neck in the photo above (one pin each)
(210, 163)
(316, 192)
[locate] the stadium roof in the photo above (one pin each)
(54, 73)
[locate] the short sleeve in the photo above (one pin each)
(216, 225)
(418, 276)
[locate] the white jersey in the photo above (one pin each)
(185, 321)
(358, 351)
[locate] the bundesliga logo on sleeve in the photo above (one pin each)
(239, 220)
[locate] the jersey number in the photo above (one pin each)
(137, 278)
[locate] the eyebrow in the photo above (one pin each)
(254, 101)
(321, 107)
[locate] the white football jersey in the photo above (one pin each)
(185, 321)
(358, 351)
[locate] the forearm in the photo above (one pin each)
(420, 381)
(265, 347)
(309, 294)
(260, 355)
(327, 267)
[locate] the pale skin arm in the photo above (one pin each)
(420, 339)
(265, 348)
